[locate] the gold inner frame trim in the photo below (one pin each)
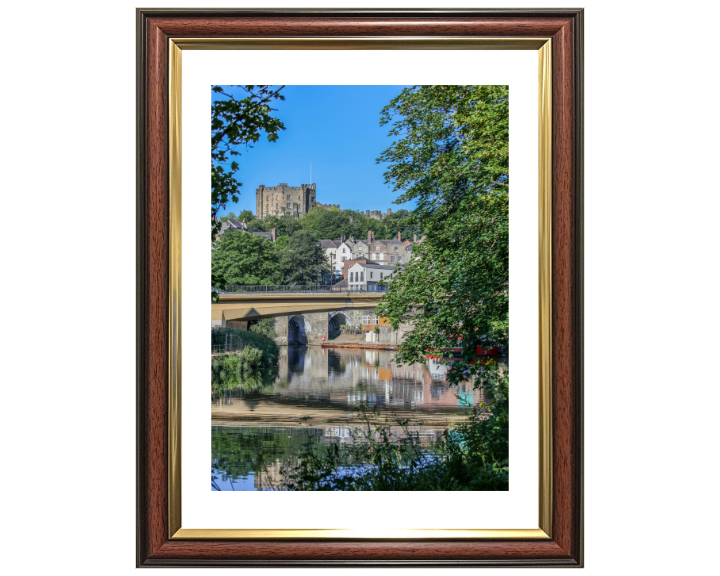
(544, 48)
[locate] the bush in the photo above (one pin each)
(265, 327)
(255, 339)
(248, 366)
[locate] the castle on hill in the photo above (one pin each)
(296, 201)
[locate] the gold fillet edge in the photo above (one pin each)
(355, 43)
(175, 246)
(370, 533)
(545, 283)
(544, 47)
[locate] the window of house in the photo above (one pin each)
(371, 275)
(381, 275)
(399, 258)
(288, 196)
(382, 256)
(395, 248)
(362, 276)
(373, 256)
(392, 258)
(288, 205)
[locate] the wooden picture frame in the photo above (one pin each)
(159, 541)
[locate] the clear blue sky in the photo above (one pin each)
(337, 130)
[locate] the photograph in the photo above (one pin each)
(360, 287)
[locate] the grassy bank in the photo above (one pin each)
(245, 367)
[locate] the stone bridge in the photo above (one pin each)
(301, 318)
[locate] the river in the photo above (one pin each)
(260, 431)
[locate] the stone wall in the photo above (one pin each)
(310, 328)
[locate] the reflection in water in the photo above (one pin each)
(260, 431)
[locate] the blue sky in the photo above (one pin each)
(337, 130)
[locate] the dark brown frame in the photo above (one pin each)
(154, 28)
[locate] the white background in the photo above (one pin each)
(515, 508)
(651, 297)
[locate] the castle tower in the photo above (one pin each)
(284, 200)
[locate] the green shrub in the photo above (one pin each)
(267, 345)
(249, 366)
(265, 327)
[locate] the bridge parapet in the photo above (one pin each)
(298, 288)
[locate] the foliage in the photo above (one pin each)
(304, 261)
(266, 345)
(265, 326)
(332, 224)
(241, 258)
(229, 370)
(237, 121)
(451, 156)
(473, 456)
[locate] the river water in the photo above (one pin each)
(259, 431)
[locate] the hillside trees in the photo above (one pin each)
(241, 258)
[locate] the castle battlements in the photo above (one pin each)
(284, 200)
(283, 187)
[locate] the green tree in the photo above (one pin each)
(237, 121)
(246, 215)
(403, 222)
(326, 224)
(264, 326)
(304, 261)
(451, 156)
(241, 258)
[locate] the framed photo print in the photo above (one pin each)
(324, 371)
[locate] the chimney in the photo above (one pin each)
(342, 239)
(369, 236)
(273, 236)
(414, 237)
(399, 238)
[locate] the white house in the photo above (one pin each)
(330, 249)
(343, 252)
(365, 277)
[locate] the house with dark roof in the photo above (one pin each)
(231, 224)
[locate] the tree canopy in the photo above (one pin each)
(332, 224)
(451, 156)
(243, 259)
(304, 261)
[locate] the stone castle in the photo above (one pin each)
(296, 201)
(283, 200)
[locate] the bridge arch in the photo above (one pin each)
(297, 330)
(335, 320)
